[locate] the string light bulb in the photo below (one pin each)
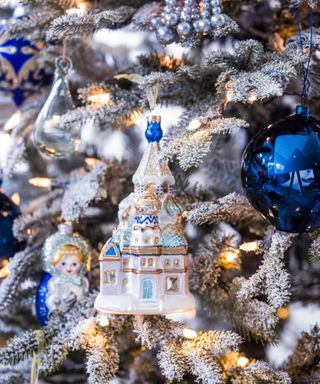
(92, 162)
(252, 246)
(134, 117)
(79, 10)
(13, 121)
(233, 360)
(229, 258)
(283, 313)
(104, 320)
(252, 97)
(194, 124)
(242, 362)
(4, 270)
(16, 198)
(100, 99)
(189, 333)
(41, 182)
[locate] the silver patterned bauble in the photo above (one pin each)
(216, 10)
(217, 21)
(215, 3)
(204, 25)
(183, 28)
(165, 34)
(171, 19)
(196, 25)
(155, 22)
(63, 237)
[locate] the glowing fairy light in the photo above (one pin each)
(194, 124)
(283, 313)
(13, 121)
(252, 246)
(104, 321)
(230, 259)
(189, 333)
(134, 117)
(79, 10)
(91, 162)
(41, 182)
(99, 99)
(242, 362)
(4, 270)
(252, 97)
(16, 198)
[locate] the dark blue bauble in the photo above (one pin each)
(154, 132)
(281, 172)
(8, 212)
(41, 307)
(20, 74)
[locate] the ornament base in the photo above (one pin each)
(127, 304)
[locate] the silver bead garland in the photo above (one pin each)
(183, 19)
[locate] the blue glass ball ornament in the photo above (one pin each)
(9, 211)
(41, 307)
(20, 74)
(281, 172)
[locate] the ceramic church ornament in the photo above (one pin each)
(143, 266)
(66, 258)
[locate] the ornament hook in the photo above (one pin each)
(63, 65)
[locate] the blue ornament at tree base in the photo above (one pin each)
(41, 306)
(281, 172)
(9, 211)
(20, 73)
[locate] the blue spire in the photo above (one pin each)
(303, 110)
(154, 132)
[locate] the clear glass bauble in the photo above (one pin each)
(52, 138)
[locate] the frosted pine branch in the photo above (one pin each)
(67, 26)
(303, 365)
(22, 347)
(232, 208)
(20, 266)
(191, 146)
(75, 201)
(172, 361)
(151, 330)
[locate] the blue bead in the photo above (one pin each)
(153, 132)
(281, 173)
(20, 75)
(8, 213)
(303, 110)
(41, 307)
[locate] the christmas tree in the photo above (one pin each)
(194, 284)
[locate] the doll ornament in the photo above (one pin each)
(67, 286)
(66, 258)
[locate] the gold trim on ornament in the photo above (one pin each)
(153, 272)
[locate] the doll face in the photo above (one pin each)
(69, 266)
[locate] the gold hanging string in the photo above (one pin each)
(152, 90)
(36, 357)
(152, 95)
(64, 49)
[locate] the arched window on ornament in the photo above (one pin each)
(151, 187)
(165, 188)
